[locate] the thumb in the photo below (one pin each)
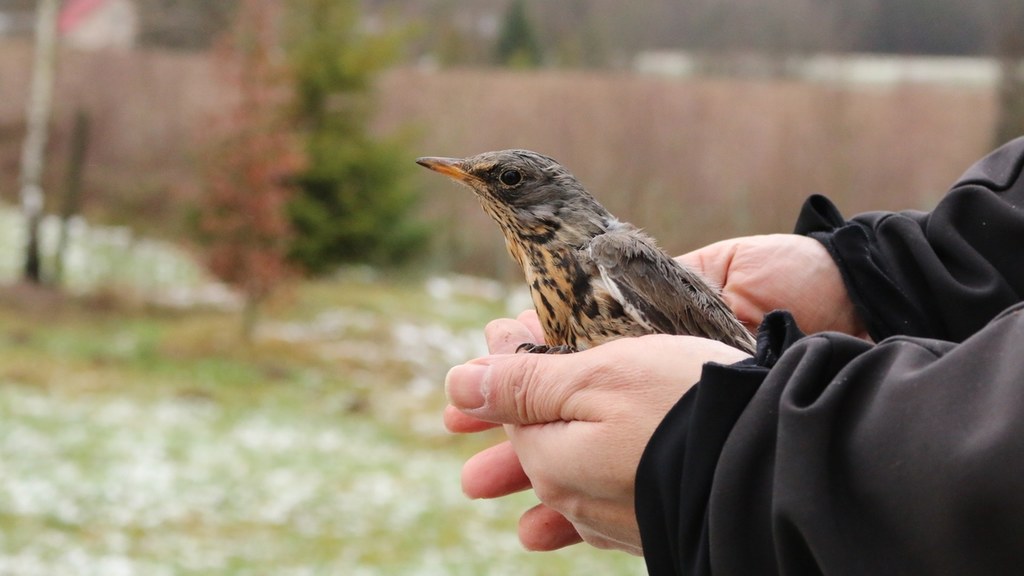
(712, 261)
(514, 388)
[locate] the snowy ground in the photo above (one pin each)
(144, 445)
(115, 487)
(112, 257)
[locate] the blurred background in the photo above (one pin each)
(228, 297)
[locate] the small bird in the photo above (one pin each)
(592, 278)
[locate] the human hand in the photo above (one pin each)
(759, 274)
(577, 426)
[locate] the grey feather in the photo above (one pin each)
(658, 291)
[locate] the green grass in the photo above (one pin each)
(142, 441)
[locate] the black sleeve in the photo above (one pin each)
(942, 274)
(675, 473)
(830, 455)
(905, 457)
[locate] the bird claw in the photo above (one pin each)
(531, 348)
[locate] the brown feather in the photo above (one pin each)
(591, 277)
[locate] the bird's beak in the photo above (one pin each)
(450, 167)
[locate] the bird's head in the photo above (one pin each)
(527, 194)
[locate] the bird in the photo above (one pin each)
(592, 277)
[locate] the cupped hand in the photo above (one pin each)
(577, 426)
(496, 471)
(759, 274)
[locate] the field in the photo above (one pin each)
(147, 441)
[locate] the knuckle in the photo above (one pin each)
(573, 508)
(552, 495)
(594, 374)
(557, 496)
(608, 370)
(524, 388)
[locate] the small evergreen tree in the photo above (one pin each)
(518, 45)
(355, 201)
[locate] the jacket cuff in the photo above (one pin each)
(674, 477)
(849, 245)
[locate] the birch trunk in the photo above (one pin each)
(39, 105)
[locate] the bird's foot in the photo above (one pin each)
(531, 348)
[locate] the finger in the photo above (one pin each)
(712, 261)
(462, 423)
(532, 322)
(694, 259)
(541, 529)
(747, 312)
(516, 388)
(493, 473)
(505, 335)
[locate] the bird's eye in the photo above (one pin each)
(511, 177)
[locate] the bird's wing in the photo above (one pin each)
(659, 292)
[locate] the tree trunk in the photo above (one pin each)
(39, 104)
(250, 316)
(1010, 51)
(73, 189)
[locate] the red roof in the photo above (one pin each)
(75, 11)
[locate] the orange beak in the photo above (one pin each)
(450, 167)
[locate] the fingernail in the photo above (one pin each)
(464, 386)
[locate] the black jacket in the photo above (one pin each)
(826, 454)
